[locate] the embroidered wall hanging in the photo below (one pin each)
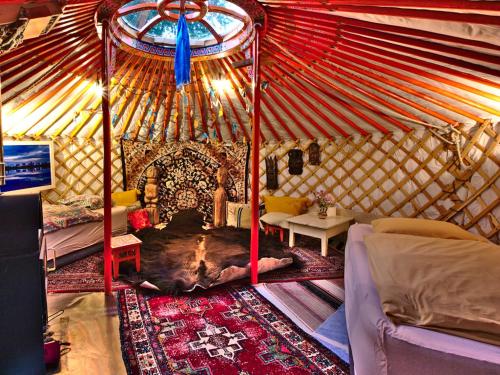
(271, 173)
(295, 161)
(186, 173)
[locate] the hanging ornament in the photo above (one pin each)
(182, 63)
(271, 173)
(295, 161)
(314, 153)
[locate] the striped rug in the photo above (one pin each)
(308, 303)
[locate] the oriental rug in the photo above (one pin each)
(219, 331)
(186, 173)
(84, 275)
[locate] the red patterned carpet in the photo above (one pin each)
(86, 275)
(220, 331)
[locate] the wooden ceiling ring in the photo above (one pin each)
(198, 7)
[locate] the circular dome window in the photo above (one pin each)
(216, 27)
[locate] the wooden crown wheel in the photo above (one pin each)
(197, 8)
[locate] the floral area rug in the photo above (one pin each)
(219, 331)
(85, 275)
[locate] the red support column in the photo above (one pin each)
(254, 241)
(106, 134)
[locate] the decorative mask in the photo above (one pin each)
(271, 173)
(314, 154)
(295, 161)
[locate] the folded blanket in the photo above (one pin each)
(57, 217)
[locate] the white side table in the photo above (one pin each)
(311, 225)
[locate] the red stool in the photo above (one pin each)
(268, 228)
(124, 248)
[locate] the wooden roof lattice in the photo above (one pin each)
(329, 68)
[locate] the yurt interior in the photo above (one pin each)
(250, 187)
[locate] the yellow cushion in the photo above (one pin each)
(124, 198)
(288, 205)
(425, 228)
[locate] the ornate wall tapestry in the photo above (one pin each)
(186, 173)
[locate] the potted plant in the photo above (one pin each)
(324, 200)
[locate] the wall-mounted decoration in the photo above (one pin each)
(295, 161)
(29, 166)
(314, 154)
(187, 173)
(271, 173)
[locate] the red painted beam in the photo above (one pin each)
(254, 240)
(442, 4)
(332, 67)
(106, 132)
(346, 59)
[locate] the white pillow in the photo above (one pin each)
(276, 219)
(238, 215)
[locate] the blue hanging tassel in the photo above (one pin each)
(182, 63)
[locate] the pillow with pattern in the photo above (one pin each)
(92, 202)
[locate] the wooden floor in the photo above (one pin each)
(90, 324)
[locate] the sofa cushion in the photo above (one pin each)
(289, 205)
(238, 215)
(276, 218)
(124, 198)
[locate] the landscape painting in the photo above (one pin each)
(29, 166)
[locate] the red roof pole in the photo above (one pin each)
(106, 134)
(254, 241)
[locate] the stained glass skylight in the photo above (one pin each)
(209, 22)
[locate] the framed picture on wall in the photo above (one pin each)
(29, 166)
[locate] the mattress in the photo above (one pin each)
(380, 347)
(68, 240)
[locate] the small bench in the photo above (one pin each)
(125, 248)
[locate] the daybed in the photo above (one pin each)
(78, 237)
(380, 347)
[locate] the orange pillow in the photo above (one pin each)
(288, 205)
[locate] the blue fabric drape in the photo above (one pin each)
(182, 65)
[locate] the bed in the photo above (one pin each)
(379, 347)
(62, 242)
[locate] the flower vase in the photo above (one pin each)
(322, 214)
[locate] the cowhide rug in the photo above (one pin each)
(184, 255)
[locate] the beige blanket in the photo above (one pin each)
(446, 285)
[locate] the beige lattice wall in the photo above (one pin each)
(78, 167)
(409, 175)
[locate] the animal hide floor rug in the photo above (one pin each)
(184, 255)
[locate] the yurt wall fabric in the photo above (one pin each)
(402, 174)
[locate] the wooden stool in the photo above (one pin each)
(268, 228)
(124, 248)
